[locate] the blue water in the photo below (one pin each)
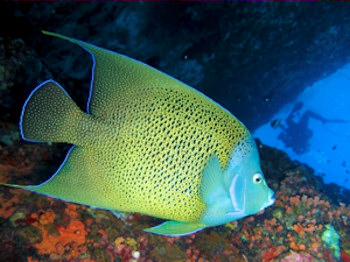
(315, 128)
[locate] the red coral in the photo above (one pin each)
(344, 256)
(272, 253)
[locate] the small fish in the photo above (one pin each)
(149, 144)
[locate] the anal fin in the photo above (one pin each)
(175, 228)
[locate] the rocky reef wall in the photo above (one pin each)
(250, 57)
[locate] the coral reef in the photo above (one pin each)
(233, 51)
(38, 228)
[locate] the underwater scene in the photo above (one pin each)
(174, 131)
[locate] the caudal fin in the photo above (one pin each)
(50, 115)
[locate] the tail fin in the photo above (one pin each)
(50, 115)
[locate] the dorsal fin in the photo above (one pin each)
(114, 74)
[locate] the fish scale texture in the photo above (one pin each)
(165, 138)
(146, 143)
(49, 115)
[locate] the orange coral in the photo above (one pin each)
(279, 228)
(89, 222)
(47, 217)
(294, 200)
(309, 228)
(103, 233)
(74, 233)
(294, 245)
(315, 246)
(119, 241)
(289, 209)
(71, 210)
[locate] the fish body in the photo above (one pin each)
(149, 144)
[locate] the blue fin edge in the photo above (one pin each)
(28, 99)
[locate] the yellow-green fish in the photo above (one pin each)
(149, 144)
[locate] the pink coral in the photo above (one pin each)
(297, 257)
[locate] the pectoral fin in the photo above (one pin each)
(174, 228)
(222, 204)
(212, 187)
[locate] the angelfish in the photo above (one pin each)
(149, 144)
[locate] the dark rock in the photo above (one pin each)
(250, 57)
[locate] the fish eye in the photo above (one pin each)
(257, 179)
